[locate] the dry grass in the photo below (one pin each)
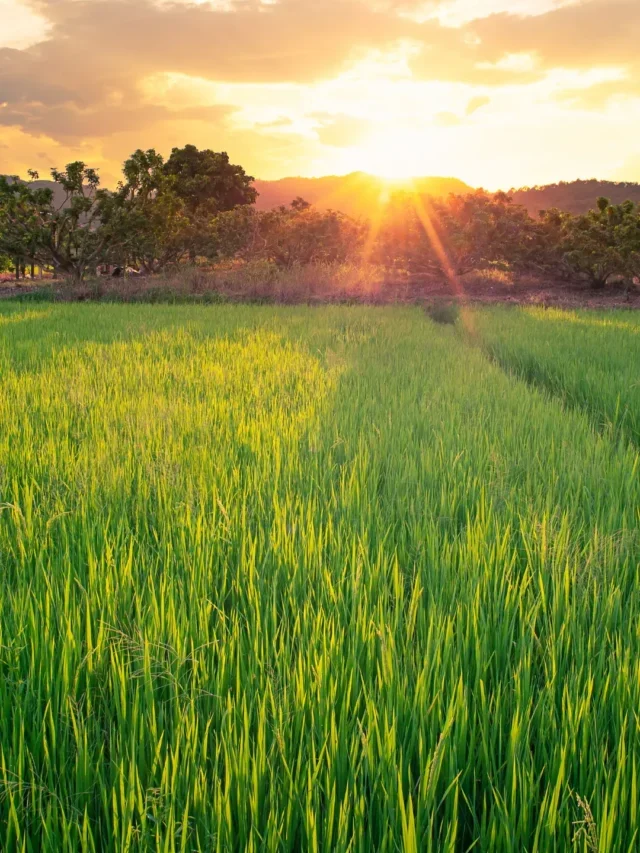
(489, 277)
(264, 282)
(255, 281)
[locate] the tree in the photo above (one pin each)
(207, 181)
(145, 217)
(402, 240)
(299, 234)
(69, 237)
(599, 244)
(453, 236)
(480, 229)
(20, 208)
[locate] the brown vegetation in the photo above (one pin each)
(327, 283)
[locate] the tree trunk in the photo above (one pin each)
(33, 271)
(17, 264)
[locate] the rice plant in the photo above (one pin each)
(310, 579)
(589, 360)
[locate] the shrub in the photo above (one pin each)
(444, 313)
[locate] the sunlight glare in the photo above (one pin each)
(394, 156)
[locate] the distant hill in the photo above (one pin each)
(59, 194)
(575, 196)
(356, 194)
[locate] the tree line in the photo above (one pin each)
(198, 205)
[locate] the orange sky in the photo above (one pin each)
(499, 93)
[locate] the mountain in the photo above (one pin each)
(356, 194)
(574, 196)
(59, 194)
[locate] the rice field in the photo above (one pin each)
(329, 579)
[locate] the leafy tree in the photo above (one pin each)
(20, 209)
(69, 237)
(299, 234)
(400, 241)
(207, 181)
(455, 235)
(599, 244)
(146, 219)
(480, 229)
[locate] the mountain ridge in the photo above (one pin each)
(355, 194)
(358, 193)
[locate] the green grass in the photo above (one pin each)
(588, 359)
(313, 579)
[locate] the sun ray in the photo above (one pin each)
(429, 219)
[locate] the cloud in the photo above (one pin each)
(450, 119)
(342, 131)
(70, 123)
(245, 41)
(294, 85)
(476, 104)
(589, 34)
(446, 119)
(21, 26)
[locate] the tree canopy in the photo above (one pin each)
(197, 204)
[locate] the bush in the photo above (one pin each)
(36, 294)
(444, 313)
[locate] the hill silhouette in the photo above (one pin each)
(59, 195)
(356, 194)
(574, 196)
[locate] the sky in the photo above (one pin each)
(499, 93)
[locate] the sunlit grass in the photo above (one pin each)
(316, 579)
(588, 360)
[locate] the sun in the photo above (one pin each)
(396, 156)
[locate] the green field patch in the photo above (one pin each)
(308, 579)
(590, 362)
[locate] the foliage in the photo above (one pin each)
(599, 244)
(22, 214)
(322, 579)
(444, 313)
(68, 237)
(146, 217)
(575, 197)
(198, 204)
(207, 181)
(482, 229)
(454, 236)
(288, 236)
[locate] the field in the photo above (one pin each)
(318, 579)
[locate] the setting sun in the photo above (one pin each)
(395, 156)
